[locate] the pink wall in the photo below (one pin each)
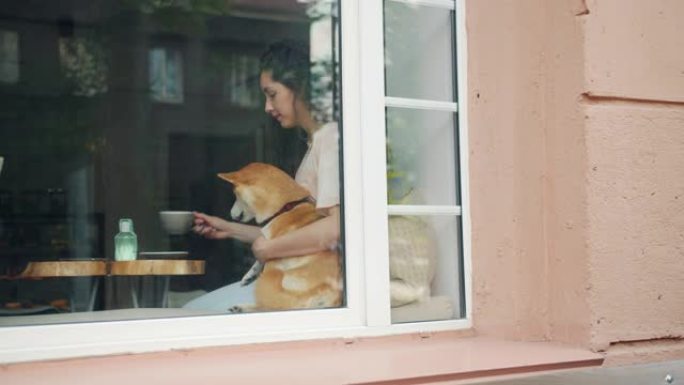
(527, 152)
(577, 171)
(635, 49)
(565, 175)
(506, 129)
(634, 77)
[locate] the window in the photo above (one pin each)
(9, 57)
(423, 192)
(108, 148)
(166, 75)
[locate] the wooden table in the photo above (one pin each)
(156, 267)
(48, 269)
(95, 268)
(91, 268)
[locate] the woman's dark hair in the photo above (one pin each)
(288, 63)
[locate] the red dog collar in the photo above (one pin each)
(287, 207)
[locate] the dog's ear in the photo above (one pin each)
(230, 177)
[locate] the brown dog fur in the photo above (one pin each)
(308, 281)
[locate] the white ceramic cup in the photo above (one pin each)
(176, 222)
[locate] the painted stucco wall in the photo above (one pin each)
(634, 79)
(577, 171)
(527, 156)
(506, 133)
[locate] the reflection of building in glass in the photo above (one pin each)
(9, 57)
(166, 75)
(240, 84)
(324, 74)
(125, 112)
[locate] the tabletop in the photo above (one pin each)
(90, 268)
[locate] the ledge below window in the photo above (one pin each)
(406, 359)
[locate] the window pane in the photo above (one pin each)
(9, 57)
(166, 75)
(426, 271)
(422, 164)
(419, 52)
(125, 116)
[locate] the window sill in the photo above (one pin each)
(406, 359)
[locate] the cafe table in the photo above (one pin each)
(165, 268)
(156, 267)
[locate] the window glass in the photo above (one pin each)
(166, 75)
(421, 161)
(423, 179)
(9, 57)
(130, 116)
(419, 51)
(425, 268)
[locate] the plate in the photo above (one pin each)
(28, 311)
(163, 255)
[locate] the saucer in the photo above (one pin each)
(163, 255)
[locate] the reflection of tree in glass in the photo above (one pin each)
(234, 76)
(402, 159)
(324, 64)
(401, 39)
(322, 88)
(84, 65)
(183, 16)
(207, 7)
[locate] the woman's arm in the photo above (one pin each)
(317, 236)
(216, 228)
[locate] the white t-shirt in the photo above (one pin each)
(319, 170)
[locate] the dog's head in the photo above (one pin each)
(261, 190)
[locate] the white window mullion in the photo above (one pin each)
(372, 87)
(391, 101)
(461, 51)
(423, 210)
(448, 4)
(353, 166)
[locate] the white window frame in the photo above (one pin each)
(437, 106)
(366, 243)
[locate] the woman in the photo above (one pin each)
(284, 80)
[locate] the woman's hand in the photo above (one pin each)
(211, 227)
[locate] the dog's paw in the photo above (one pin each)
(235, 309)
(244, 308)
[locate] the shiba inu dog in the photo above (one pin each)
(279, 204)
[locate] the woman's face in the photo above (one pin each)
(281, 103)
